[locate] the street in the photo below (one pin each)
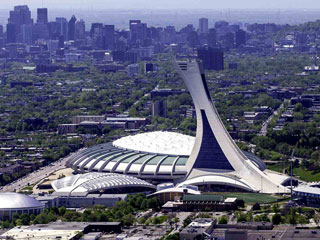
(263, 130)
(36, 176)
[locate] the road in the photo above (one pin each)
(263, 130)
(35, 177)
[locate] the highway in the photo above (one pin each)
(35, 177)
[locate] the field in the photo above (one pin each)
(305, 175)
(300, 173)
(251, 198)
(275, 167)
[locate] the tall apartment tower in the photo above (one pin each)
(42, 15)
(159, 108)
(212, 58)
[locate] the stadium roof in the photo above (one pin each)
(93, 182)
(11, 200)
(169, 143)
(150, 155)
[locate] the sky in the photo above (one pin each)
(165, 4)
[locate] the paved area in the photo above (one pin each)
(54, 176)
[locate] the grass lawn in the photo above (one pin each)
(301, 173)
(251, 198)
(276, 167)
(306, 175)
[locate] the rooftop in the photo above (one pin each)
(93, 182)
(203, 197)
(168, 143)
(11, 200)
(307, 189)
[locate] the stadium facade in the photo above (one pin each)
(211, 160)
(16, 203)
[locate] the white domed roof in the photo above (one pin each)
(11, 200)
(170, 143)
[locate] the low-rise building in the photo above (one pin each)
(198, 229)
(78, 200)
(58, 230)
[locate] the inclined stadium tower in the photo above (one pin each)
(211, 160)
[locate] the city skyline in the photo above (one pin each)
(165, 4)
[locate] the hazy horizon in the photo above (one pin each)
(114, 12)
(165, 4)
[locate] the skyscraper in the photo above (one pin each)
(80, 29)
(11, 33)
(42, 15)
(62, 27)
(21, 15)
(229, 40)
(26, 33)
(108, 32)
(203, 25)
(72, 28)
(212, 37)
(138, 30)
(193, 39)
(212, 58)
(40, 31)
(240, 38)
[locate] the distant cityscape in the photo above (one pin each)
(194, 129)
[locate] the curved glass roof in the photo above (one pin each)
(92, 182)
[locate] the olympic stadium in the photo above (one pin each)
(211, 160)
(12, 203)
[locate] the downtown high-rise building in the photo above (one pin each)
(42, 15)
(108, 37)
(26, 34)
(138, 31)
(80, 29)
(240, 38)
(40, 28)
(62, 27)
(20, 16)
(212, 37)
(203, 25)
(72, 28)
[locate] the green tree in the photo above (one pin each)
(276, 219)
(223, 220)
(128, 220)
(256, 207)
(174, 236)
